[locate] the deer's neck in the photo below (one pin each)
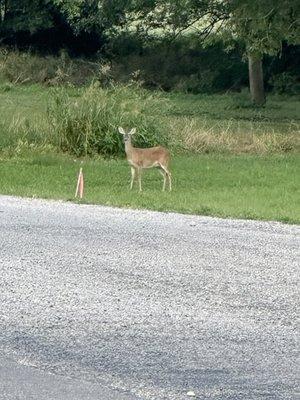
(128, 149)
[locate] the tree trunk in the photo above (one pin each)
(3, 10)
(256, 79)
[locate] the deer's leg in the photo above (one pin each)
(139, 172)
(165, 179)
(168, 174)
(133, 171)
(170, 181)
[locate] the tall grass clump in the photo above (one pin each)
(26, 68)
(22, 135)
(88, 124)
(210, 136)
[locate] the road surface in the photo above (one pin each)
(125, 304)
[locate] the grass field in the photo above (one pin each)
(199, 123)
(236, 186)
(235, 170)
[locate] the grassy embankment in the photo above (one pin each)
(244, 164)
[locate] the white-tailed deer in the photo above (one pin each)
(140, 159)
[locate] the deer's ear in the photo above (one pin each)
(121, 130)
(132, 132)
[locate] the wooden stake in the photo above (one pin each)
(80, 185)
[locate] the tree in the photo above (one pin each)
(22, 15)
(261, 25)
(49, 25)
(87, 15)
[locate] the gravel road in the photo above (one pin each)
(149, 305)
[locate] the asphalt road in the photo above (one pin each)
(137, 304)
(20, 381)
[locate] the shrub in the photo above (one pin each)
(196, 83)
(285, 83)
(182, 65)
(6, 87)
(88, 125)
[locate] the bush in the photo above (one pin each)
(285, 83)
(182, 65)
(202, 82)
(88, 125)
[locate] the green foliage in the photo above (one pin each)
(181, 65)
(49, 25)
(81, 15)
(89, 124)
(5, 87)
(24, 15)
(92, 15)
(285, 83)
(263, 25)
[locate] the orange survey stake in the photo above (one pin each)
(80, 184)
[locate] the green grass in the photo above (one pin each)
(253, 187)
(197, 123)
(238, 161)
(22, 101)
(237, 107)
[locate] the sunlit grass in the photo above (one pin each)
(236, 186)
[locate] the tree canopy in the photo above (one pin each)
(85, 26)
(262, 25)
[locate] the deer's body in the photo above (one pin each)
(146, 158)
(151, 157)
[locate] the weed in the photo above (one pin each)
(88, 125)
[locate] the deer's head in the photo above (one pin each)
(127, 135)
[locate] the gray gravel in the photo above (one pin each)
(150, 304)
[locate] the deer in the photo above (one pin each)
(150, 157)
